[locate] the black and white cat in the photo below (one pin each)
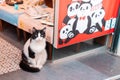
(34, 54)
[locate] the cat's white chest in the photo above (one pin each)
(37, 47)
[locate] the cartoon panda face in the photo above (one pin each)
(95, 2)
(72, 9)
(98, 15)
(84, 9)
(66, 29)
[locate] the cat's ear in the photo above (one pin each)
(44, 29)
(32, 30)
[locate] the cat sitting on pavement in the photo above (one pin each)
(34, 54)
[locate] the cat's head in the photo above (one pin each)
(38, 34)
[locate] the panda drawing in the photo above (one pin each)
(83, 17)
(97, 21)
(71, 11)
(67, 32)
(84, 20)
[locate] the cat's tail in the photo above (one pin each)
(27, 68)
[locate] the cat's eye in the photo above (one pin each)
(42, 35)
(36, 35)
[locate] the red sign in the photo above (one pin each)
(81, 20)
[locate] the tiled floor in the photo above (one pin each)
(98, 65)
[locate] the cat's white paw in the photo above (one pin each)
(40, 67)
(32, 66)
